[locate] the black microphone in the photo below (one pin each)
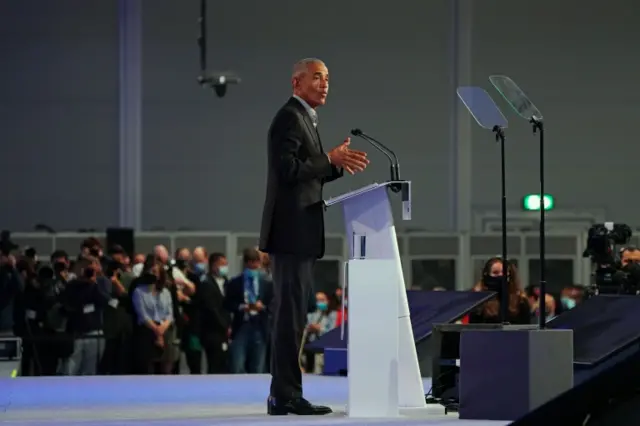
(393, 158)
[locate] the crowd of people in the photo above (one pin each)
(109, 313)
(523, 304)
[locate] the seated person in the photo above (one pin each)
(518, 311)
(319, 322)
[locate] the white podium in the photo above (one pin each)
(383, 372)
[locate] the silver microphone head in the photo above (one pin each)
(218, 81)
(220, 78)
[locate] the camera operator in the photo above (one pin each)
(118, 326)
(182, 288)
(84, 302)
(39, 357)
(10, 288)
(180, 273)
(629, 255)
(91, 248)
(612, 274)
(55, 279)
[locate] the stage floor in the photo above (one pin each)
(179, 400)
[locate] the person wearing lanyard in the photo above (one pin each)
(247, 298)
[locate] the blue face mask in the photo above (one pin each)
(322, 306)
(223, 270)
(252, 273)
(568, 303)
(201, 267)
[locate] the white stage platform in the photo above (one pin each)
(179, 400)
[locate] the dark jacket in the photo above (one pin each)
(235, 299)
(298, 167)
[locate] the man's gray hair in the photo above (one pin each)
(300, 67)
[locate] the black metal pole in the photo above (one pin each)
(504, 299)
(542, 303)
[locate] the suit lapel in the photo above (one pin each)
(319, 140)
(311, 129)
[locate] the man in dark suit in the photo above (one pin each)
(293, 224)
(211, 318)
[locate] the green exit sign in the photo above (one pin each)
(532, 202)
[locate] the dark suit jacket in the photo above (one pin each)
(234, 298)
(211, 317)
(293, 215)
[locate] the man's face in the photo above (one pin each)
(220, 263)
(184, 255)
(254, 264)
(313, 84)
(321, 298)
(629, 256)
(199, 255)
(61, 260)
(162, 254)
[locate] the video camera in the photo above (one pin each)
(610, 276)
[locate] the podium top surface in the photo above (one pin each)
(426, 309)
(602, 326)
(360, 191)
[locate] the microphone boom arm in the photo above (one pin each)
(393, 158)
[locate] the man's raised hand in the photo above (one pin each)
(351, 160)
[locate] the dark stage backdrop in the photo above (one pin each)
(390, 65)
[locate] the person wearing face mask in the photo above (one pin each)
(84, 303)
(154, 317)
(571, 297)
(200, 261)
(219, 270)
(568, 303)
(180, 272)
(209, 322)
(320, 321)
(247, 298)
(518, 311)
(338, 302)
(549, 309)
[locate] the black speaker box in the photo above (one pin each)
(124, 237)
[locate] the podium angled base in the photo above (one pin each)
(420, 412)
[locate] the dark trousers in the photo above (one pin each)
(292, 286)
(117, 358)
(194, 360)
(214, 353)
(39, 356)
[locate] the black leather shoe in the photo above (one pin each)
(299, 406)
